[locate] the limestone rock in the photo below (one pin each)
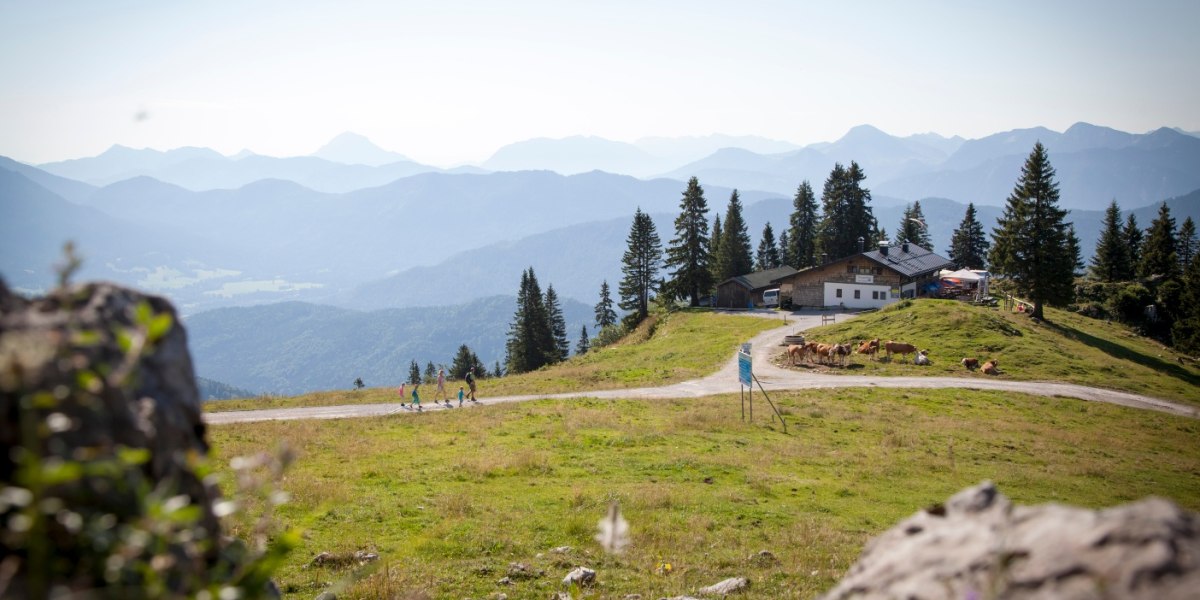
(729, 586)
(980, 545)
(581, 576)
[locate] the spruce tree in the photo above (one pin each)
(1188, 244)
(1133, 241)
(802, 232)
(687, 254)
(1185, 334)
(846, 214)
(714, 251)
(1160, 256)
(414, 372)
(583, 345)
(639, 267)
(430, 372)
(912, 227)
(1111, 261)
(558, 326)
(969, 244)
(1033, 245)
(767, 256)
(530, 343)
(605, 315)
(736, 256)
(464, 359)
(785, 249)
(497, 371)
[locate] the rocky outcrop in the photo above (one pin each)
(980, 545)
(101, 417)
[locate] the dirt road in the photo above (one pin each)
(772, 378)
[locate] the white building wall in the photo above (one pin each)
(865, 291)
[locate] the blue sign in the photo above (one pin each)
(744, 374)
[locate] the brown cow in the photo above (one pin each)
(870, 347)
(824, 351)
(970, 363)
(991, 367)
(900, 348)
(796, 351)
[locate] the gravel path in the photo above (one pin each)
(772, 378)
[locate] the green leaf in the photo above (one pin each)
(159, 326)
(55, 472)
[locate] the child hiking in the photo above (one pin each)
(441, 387)
(416, 398)
(460, 396)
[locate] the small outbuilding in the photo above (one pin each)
(870, 279)
(746, 291)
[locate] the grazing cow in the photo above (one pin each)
(796, 352)
(870, 347)
(900, 348)
(823, 352)
(991, 367)
(922, 358)
(970, 363)
(842, 351)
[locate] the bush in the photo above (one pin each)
(609, 335)
(1129, 302)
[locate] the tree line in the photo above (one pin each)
(1033, 250)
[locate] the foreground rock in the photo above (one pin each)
(101, 427)
(979, 545)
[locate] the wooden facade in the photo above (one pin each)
(866, 280)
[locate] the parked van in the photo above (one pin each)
(771, 297)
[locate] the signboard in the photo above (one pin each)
(744, 372)
(864, 279)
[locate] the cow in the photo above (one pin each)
(991, 367)
(970, 363)
(900, 348)
(823, 352)
(922, 358)
(869, 347)
(842, 351)
(796, 352)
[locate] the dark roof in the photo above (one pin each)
(915, 261)
(761, 279)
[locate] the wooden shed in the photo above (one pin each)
(870, 279)
(745, 291)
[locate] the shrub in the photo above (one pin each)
(1129, 302)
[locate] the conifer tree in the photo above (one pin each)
(802, 233)
(1111, 261)
(464, 359)
(584, 344)
(912, 227)
(969, 245)
(531, 343)
(639, 268)
(1133, 242)
(605, 315)
(1160, 256)
(1188, 244)
(1185, 334)
(497, 371)
(687, 254)
(736, 256)
(714, 251)
(1033, 245)
(846, 214)
(785, 248)
(430, 372)
(767, 256)
(558, 325)
(414, 372)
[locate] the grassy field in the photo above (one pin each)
(1067, 347)
(672, 348)
(450, 499)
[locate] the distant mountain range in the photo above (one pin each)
(295, 347)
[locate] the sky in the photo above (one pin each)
(450, 82)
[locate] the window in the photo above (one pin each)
(857, 294)
(874, 295)
(850, 269)
(839, 292)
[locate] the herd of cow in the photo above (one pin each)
(829, 354)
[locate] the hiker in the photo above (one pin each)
(441, 388)
(460, 396)
(401, 392)
(471, 383)
(416, 398)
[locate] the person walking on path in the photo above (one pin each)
(471, 383)
(401, 392)
(416, 397)
(460, 396)
(441, 388)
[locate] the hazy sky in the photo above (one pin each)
(447, 82)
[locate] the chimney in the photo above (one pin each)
(904, 246)
(860, 244)
(883, 248)
(824, 258)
